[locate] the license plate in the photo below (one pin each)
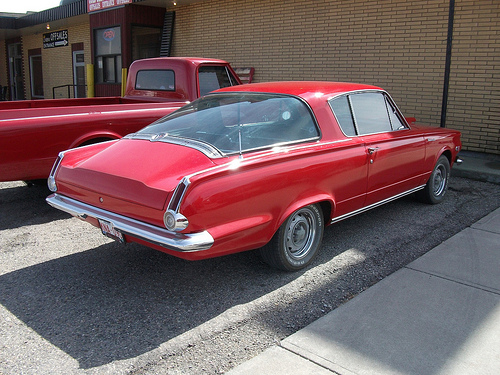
(109, 230)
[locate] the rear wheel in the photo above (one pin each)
(297, 241)
(436, 187)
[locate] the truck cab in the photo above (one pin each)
(181, 79)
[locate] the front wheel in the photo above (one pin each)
(436, 187)
(297, 241)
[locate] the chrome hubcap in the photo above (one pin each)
(300, 234)
(439, 180)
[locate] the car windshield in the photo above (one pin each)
(238, 122)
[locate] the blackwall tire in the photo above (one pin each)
(297, 241)
(437, 186)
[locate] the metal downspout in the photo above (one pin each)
(447, 68)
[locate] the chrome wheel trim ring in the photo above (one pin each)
(439, 180)
(300, 234)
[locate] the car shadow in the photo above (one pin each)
(116, 302)
(358, 252)
(385, 240)
(25, 205)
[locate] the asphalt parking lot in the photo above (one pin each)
(74, 302)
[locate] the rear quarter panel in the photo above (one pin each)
(243, 206)
(439, 141)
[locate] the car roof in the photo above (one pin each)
(304, 89)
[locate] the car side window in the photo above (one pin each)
(342, 111)
(396, 122)
(370, 113)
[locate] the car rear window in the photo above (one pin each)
(239, 122)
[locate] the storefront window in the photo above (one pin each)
(108, 55)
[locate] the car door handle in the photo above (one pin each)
(372, 150)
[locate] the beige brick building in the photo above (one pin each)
(399, 45)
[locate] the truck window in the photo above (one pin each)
(162, 80)
(211, 78)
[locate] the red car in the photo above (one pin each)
(264, 166)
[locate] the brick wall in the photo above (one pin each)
(57, 63)
(398, 45)
(474, 102)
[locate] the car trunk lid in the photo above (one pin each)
(139, 172)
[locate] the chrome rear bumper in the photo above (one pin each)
(158, 236)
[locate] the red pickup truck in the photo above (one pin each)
(33, 132)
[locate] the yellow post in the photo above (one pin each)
(90, 81)
(124, 80)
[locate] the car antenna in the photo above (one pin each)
(239, 132)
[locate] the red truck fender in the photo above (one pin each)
(94, 137)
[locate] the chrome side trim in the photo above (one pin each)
(182, 242)
(374, 205)
(51, 181)
(205, 148)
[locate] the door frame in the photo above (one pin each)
(77, 64)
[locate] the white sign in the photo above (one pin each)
(96, 5)
(55, 39)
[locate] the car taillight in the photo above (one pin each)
(172, 219)
(175, 221)
(51, 181)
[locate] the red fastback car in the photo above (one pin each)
(265, 165)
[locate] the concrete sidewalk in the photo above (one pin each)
(478, 166)
(438, 315)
